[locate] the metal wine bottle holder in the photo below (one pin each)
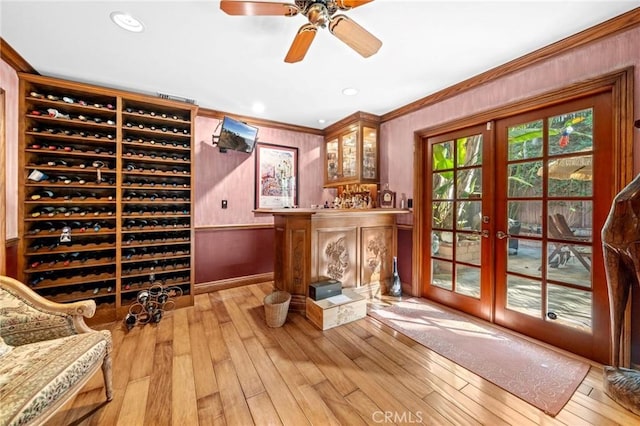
(151, 304)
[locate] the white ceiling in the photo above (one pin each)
(194, 50)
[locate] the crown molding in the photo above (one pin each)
(210, 113)
(605, 29)
(13, 58)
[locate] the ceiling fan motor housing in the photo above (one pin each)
(318, 15)
(318, 12)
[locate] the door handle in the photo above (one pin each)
(501, 235)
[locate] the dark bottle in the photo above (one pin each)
(42, 194)
(130, 320)
(54, 163)
(42, 211)
(36, 280)
(396, 286)
(70, 258)
(129, 253)
(38, 245)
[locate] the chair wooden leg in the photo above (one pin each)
(106, 373)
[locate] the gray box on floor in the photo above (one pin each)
(323, 289)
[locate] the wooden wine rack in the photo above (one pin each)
(116, 169)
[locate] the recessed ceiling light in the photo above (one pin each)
(127, 22)
(322, 121)
(349, 91)
(258, 107)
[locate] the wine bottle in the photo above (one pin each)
(129, 253)
(396, 286)
(55, 163)
(36, 280)
(42, 194)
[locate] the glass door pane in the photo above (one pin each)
(349, 154)
(369, 153)
(458, 247)
(332, 160)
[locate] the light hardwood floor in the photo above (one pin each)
(218, 363)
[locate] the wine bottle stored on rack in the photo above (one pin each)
(396, 285)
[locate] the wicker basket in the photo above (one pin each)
(276, 306)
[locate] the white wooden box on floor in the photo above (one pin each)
(337, 310)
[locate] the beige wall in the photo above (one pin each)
(9, 82)
(605, 56)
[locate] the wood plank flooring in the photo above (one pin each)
(217, 363)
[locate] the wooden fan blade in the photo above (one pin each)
(301, 43)
(350, 4)
(258, 8)
(354, 36)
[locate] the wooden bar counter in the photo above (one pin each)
(355, 247)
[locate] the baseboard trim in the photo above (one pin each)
(212, 286)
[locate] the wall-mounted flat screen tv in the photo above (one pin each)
(237, 136)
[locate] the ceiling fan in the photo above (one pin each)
(320, 13)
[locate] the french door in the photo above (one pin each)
(460, 210)
(515, 217)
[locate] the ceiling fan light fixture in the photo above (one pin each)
(127, 22)
(349, 91)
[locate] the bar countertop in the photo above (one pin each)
(323, 211)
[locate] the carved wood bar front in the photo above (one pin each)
(355, 247)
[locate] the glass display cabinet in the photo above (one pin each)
(352, 151)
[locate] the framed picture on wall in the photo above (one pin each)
(276, 176)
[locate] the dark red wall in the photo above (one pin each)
(230, 253)
(405, 242)
(12, 260)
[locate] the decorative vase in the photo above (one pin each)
(396, 285)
